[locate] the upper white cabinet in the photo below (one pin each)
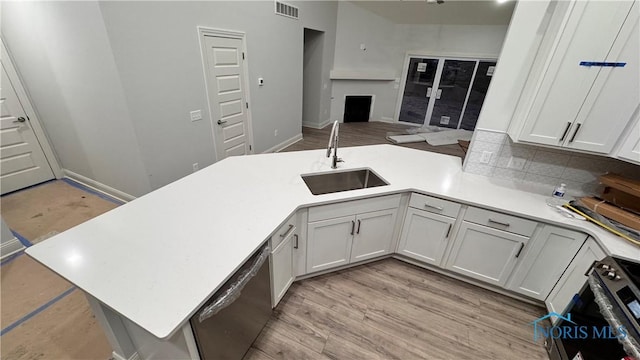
(549, 254)
(630, 148)
(585, 97)
(339, 234)
(427, 228)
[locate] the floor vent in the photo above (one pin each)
(286, 10)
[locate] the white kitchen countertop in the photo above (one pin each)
(157, 259)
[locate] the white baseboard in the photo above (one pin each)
(322, 125)
(10, 247)
(97, 186)
(385, 119)
(284, 144)
(116, 356)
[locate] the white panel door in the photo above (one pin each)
(574, 277)
(281, 269)
(549, 255)
(424, 236)
(227, 95)
(614, 96)
(329, 243)
(22, 161)
(484, 253)
(373, 234)
(588, 36)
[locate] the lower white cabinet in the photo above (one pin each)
(574, 278)
(548, 256)
(282, 268)
(424, 236)
(630, 148)
(484, 253)
(329, 243)
(373, 234)
(339, 234)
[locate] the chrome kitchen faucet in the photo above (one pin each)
(333, 139)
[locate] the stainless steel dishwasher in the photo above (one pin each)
(226, 326)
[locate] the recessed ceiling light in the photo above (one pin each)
(502, 1)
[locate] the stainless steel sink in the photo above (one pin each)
(342, 181)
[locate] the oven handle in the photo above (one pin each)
(628, 343)
(233, 292)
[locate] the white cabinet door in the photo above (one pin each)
(614, 95)
(282, 265)
(550, 252)
(630, 149)
(589, 34)
(424, 236)
(329, 243)
(484, 253)
(373, 234)
(573, 278)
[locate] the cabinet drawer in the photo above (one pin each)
(434, 205)
(332, 211)
(500, 221)
(285, 230)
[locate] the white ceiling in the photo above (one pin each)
(455, 12)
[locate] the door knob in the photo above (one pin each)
(220, 122)
(20, 120)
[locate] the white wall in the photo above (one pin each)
(114, 82)
(63, 55)
(386, 46)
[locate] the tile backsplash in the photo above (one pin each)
(540, 165)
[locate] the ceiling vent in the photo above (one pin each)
(286, 10)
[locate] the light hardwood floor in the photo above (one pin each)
(392, 310)
(366, 133)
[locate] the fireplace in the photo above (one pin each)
(357, 108)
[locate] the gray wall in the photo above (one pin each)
(114, 82)
(312, 78)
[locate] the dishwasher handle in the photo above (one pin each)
(233, 292)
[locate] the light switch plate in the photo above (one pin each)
(196, 115)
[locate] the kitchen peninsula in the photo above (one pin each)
(149, 265)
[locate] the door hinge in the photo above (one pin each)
(247, 105)
(243, 56)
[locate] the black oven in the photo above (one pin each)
(602, 321)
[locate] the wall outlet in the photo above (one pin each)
(486, 157)
(196, 167)
(517, 163)
(196, 115)
(275, 132)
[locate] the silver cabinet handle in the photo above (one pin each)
(220, 122)
(286, 233)
(433, 206)
(499, 222)
(564, 134)
(353, 227)
(295, 243)
(20, 120)
(520, 250)
(233, 291)
(575, 133)
(449, 231)
(358, 231)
